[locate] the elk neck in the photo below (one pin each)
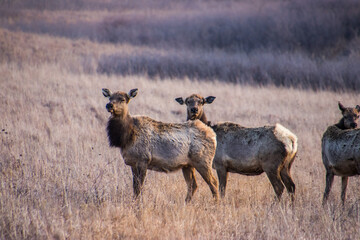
(120, 130)
(341, 124)
(201, 117)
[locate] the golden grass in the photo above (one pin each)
(59, 179)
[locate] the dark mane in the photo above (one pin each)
(201, 118)
(341, 124)
(120, 131)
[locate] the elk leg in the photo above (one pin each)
(288, 182)
(222, 176)
(189, 175)
(139, 173)
(291, 162)
(329, 182)
(344, 182)
(208, 176)
(276, 183)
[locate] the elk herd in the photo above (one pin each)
(199, 145)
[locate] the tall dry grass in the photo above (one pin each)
(59, 179)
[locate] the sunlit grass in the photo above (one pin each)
(59, 177)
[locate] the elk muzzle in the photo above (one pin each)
(109, 107)
(194, 110)
(193, 113)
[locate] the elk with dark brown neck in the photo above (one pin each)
(165, 147)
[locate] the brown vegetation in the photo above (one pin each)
(304, 44)
(59, 179)
(58, 176)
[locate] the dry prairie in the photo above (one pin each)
(59, 179)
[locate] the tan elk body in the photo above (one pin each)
(248, 151)
(341, 150)
(165, 147)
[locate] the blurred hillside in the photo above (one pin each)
(304, 44)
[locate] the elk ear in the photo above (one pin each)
(133, 93)
(209, 99)
(341, 107)
(106, 92)
(180, 100)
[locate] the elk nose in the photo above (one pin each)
(109, 106)
(194, 110)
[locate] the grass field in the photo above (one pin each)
(59, 179)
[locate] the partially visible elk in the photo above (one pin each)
(165, 147)
(340, 146)
(248, 151)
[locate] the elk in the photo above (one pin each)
(248, 151)
(165, 147)
(340, 147)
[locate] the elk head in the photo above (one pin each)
(194, 105)
(350, 117)
(118, 101)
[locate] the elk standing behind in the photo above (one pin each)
(249, 151)
(165, 147)
(340, 146)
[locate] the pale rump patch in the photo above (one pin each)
(248, 151)
(209, 131)
(289, 139)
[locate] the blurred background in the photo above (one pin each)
(298, 43)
